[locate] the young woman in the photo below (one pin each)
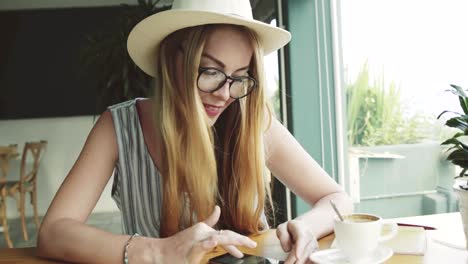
(203, 141)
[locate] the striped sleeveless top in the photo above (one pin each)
(137, 187)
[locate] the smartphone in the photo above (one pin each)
(247, 259)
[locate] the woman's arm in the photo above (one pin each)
(295, 168)
(64, 235)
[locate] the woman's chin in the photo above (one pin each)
(211, 120)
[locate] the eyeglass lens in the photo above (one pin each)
(210, 80)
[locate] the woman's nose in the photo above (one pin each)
(223, 92)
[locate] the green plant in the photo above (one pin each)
(376, 114)
(106, 60)
(458, 152)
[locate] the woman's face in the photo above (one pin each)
(227, 49)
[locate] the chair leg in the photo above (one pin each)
(34, 204)
(18, 204)
(4, 221)
(23, 217)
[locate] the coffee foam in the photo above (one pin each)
(360, 218)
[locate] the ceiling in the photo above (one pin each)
(263, 9)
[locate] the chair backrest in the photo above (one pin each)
(9, 150)
(6, 152)
(36, 150)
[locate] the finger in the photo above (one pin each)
(291, 259)
(212, 219)
(228, 237)
(284, 238)
(208, 244)
(307, 252)
(293, 229)
(299, 256)
(233, 251)
(228, 242)
(299, 248)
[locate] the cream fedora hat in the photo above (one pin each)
(143, 41)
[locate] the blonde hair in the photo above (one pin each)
(198, 159)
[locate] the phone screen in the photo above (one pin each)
(247, 259)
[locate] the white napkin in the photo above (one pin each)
(454, 239)
(409, 240)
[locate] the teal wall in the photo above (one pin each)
(419, 169)
(422, 168)
(311, 84)
(392, 207)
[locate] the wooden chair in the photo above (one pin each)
(6, 154)
(27, 181)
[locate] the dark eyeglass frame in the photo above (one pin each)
(226, 77)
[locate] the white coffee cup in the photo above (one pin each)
(359, 235)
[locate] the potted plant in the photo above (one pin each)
(106, 60)
(458, 152)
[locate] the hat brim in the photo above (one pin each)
(143, 41)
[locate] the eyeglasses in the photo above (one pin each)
(211, 79)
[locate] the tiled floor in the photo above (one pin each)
(107, 221)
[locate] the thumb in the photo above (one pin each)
(212, 219)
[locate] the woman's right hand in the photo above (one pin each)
(189, 245)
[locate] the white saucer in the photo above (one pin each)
(335, 256)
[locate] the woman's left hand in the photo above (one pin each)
(297, 238)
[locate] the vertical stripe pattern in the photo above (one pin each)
(137, 187)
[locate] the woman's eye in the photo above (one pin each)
(238, 80)
(211, 72)
(245, 74)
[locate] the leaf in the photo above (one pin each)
(112, 80)
(153, 5)
(458, 90)
(458, 155)
(455, 142)
(459, 134)
(460, 122)
(463, 104)
(105, 58)
(462, 173)
(462, 97)
(461, 163)
(447, 111)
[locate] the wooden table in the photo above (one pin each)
(268, 245)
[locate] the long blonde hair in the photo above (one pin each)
(201, 165)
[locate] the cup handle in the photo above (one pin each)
(393, 227)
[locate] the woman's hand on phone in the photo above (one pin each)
(297, 239)
(189, 245)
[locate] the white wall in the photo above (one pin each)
(65, 137)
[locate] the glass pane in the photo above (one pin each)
(400, 57)
(272, 79)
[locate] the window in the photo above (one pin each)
(272, 79)
(399, 58)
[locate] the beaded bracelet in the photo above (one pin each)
(125, 260)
